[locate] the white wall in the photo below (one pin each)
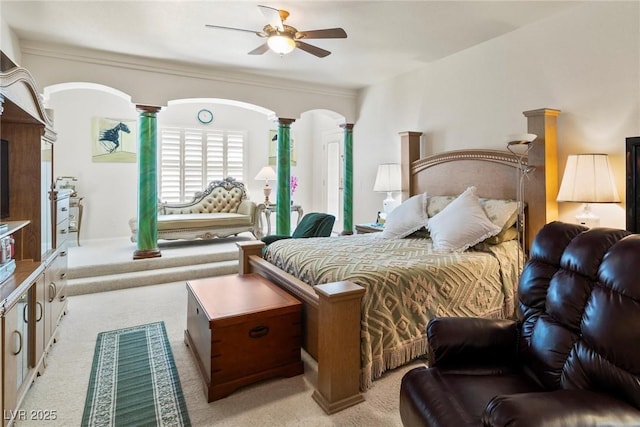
(585, 62)
(9, 42)
(109, 189)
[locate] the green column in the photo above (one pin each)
(347, 194)
(147, 184)
(283, 201)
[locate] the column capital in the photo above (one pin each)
(148, 108)
(347, 126)
(542, 112)
(285, 121)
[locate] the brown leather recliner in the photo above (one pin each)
(571, 359)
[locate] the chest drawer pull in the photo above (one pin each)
(258, 331)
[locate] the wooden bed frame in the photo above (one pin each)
(336, 306)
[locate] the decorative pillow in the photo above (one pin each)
(461, 224)
(410, 216)
(505, 235)
(501, 212)
(435, 204)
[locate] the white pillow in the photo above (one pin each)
(461, 224)
(410, 216)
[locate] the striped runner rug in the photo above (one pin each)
(134, 381)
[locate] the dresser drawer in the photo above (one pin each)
(62, 210)
(62, 232)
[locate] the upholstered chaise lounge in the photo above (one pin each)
(220, 210)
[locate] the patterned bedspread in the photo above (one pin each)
(406, 283)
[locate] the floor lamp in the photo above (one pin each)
(520, 145)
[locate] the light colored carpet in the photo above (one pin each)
(277, 402)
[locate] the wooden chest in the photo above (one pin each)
(242, 329)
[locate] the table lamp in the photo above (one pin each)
(267, 174)
(388, 180)
(588, 179)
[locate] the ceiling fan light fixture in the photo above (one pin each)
(281, 44)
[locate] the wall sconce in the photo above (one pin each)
(267, 174)
(388, 179)
(588, 179)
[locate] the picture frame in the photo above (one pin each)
(114, 140)
(633, 184)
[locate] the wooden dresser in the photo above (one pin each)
(32, 296)
(242, 329)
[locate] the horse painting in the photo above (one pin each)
(110, 138)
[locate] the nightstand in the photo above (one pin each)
(369, 228)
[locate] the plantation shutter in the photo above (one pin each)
(193, 164)
(170, 165)
(191, 158)
(235, 155)
(215, 156)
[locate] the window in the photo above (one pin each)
(191, 158)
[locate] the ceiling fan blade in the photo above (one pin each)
(260, 49)
(258, 33)
(274, 18)
(329, 33)
(314, 50)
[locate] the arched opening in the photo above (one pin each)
(77, 105)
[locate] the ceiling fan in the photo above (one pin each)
(282, 38)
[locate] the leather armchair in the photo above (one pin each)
(572, 358)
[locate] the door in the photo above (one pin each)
(16, 350)
(39, 319)
(333, 175)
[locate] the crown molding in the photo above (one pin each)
(89, 56)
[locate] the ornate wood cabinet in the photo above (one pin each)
(31, 297)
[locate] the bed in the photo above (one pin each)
(351, 345)
(406, 283)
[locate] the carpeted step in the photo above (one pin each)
(130, 279)
(163, 262)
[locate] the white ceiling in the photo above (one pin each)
(385, 38)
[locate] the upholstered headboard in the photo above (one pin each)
(493, 172)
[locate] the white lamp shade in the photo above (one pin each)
(588, 179)
(388, 178)
(266, 174)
